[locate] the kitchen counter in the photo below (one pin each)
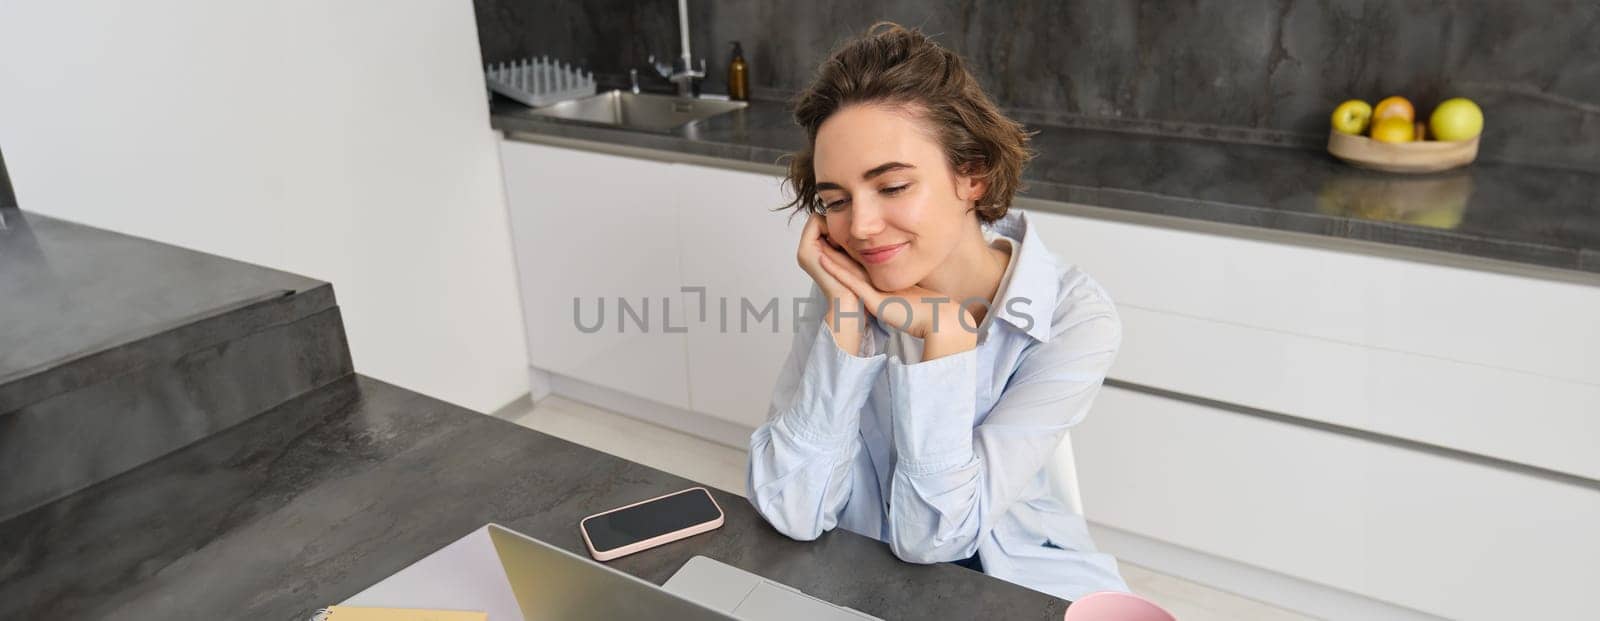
(313, 501)
(1491, 215)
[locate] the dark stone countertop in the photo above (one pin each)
(79, 304)
(313, 501)
(1542, 217)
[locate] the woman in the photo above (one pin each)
(923, 407)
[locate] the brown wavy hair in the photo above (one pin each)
(897, 66)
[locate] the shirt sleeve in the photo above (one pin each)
(953, 481)
(800, 459)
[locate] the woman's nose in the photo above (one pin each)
(866, 219)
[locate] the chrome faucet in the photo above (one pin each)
(683, 74)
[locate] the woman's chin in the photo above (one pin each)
(888, 279)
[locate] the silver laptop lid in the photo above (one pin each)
(552, 583)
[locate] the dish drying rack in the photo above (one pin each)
(539, 81)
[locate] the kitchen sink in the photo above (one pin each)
(657, 113)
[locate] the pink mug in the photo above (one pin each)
(1114, 606)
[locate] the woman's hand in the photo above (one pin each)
(940, 321)
(814, 245)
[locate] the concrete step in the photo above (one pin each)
(115, 350)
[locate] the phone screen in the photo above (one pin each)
(652, 519)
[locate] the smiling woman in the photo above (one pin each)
(923, 407)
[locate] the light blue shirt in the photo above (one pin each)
(948, 457)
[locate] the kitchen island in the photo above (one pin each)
(316, 500)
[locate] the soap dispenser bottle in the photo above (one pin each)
(738, 75)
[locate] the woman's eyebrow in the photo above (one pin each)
(876, 170)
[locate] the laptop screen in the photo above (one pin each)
(551, 583)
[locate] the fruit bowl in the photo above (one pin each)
(1422, 156)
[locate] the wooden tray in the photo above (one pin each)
(1423, 156)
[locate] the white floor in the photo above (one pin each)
(723, 467)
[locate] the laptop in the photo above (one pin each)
(513, 576)
(723, 587)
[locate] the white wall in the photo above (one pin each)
(347, 141)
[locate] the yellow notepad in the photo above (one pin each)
(354, 613)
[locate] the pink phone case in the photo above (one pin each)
(653, 541)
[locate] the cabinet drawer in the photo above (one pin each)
(1448, 537)
(1535, 326)
(1511, 415)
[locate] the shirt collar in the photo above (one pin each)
(1029, 300)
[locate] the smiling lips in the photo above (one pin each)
(882, 254)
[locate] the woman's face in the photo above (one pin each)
(891, 199)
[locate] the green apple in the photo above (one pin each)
(1456, 119)
(1351, 117)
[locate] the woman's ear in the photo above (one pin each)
(971, 184)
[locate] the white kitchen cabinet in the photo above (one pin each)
(1493, 364)
(602, 229)
(593, 225)
(1451, 538)
(740, 251)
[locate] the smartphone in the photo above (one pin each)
(649, 523)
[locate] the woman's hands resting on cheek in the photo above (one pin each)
(944, 327)
(813, 244)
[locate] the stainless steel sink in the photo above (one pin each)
(644, 111)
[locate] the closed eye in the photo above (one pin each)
(839, 204)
